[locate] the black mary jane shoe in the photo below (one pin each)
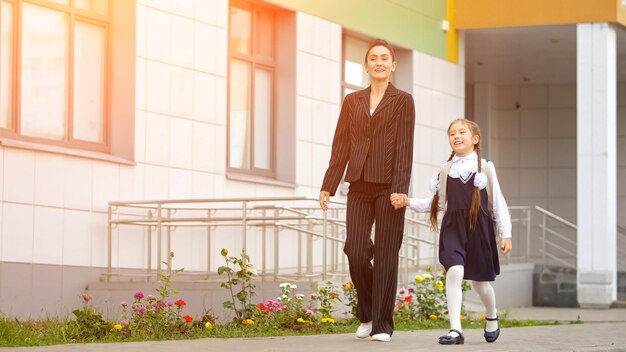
(452, 340)
(491, 336)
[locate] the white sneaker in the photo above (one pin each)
(382, 337)
(364, 330)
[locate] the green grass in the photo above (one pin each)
(14, 333)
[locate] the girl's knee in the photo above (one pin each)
(455, 272)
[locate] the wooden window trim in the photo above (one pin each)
(255, 61)
(118, 91)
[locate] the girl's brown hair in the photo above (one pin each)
(475, 206)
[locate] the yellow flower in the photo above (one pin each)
(418, 278)
(208, 325)
(328, 320)
(438, 284)
(462, 317)
(482, 317)
(248, 322)
(427, 276)
(300, 320)
(432, 317)
(440, 289)
(117, 327)
(224, 252)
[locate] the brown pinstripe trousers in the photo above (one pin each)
(375, 284)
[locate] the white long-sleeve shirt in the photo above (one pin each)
(464, 167)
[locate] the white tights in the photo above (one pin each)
(454, 295)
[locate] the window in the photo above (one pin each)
(252, 89)
(354, 75)
(60, 83)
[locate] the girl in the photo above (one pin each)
(468, 190)
(373, 144)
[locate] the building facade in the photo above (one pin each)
(109, 100)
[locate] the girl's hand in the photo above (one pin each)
(506, 245)
(399, 200)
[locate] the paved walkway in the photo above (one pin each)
(601, 330)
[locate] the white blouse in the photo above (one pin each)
(463, 168)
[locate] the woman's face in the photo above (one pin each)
(379, 63)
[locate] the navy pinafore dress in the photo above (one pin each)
(477, 249)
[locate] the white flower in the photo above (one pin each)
(434, 185)
(294, 286)
(285, 284)
(251, 269)
(480, 180)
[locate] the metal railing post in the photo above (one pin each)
(159, 244)
(244, 225)
(208, 244)
(149, 254)
(264, 246)
(528, 234)
(276, 248)
(169, 242)
(110, 244)
(325, 234)
(543, 241)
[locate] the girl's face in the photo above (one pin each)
(461, 139)
(379, 63)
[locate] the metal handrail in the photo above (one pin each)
(162, 216)
(546, 243)
(300, 218)
(621, 250)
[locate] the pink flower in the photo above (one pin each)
(123, 323)
(141, 310)
(124, 303)
(139, 295)
(285, 307)
(171, 254)
(411, 290)
(309, 312)
(170, 303)
(86, 297)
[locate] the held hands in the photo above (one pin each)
(324, 200)
(399, 200)
(506, 245)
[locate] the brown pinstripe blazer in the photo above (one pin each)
(378, 148)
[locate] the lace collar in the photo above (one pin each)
(464, 166)
(469, 157)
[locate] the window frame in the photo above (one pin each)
(256, 61)
(117, 90)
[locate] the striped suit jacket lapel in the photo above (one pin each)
(387, 98)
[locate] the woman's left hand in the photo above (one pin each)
(506, 245)
(399, 200)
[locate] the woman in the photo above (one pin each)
(374, 138)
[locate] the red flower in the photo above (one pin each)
(408, 298)
(263, 307)
(188, 318)
(180, 303)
